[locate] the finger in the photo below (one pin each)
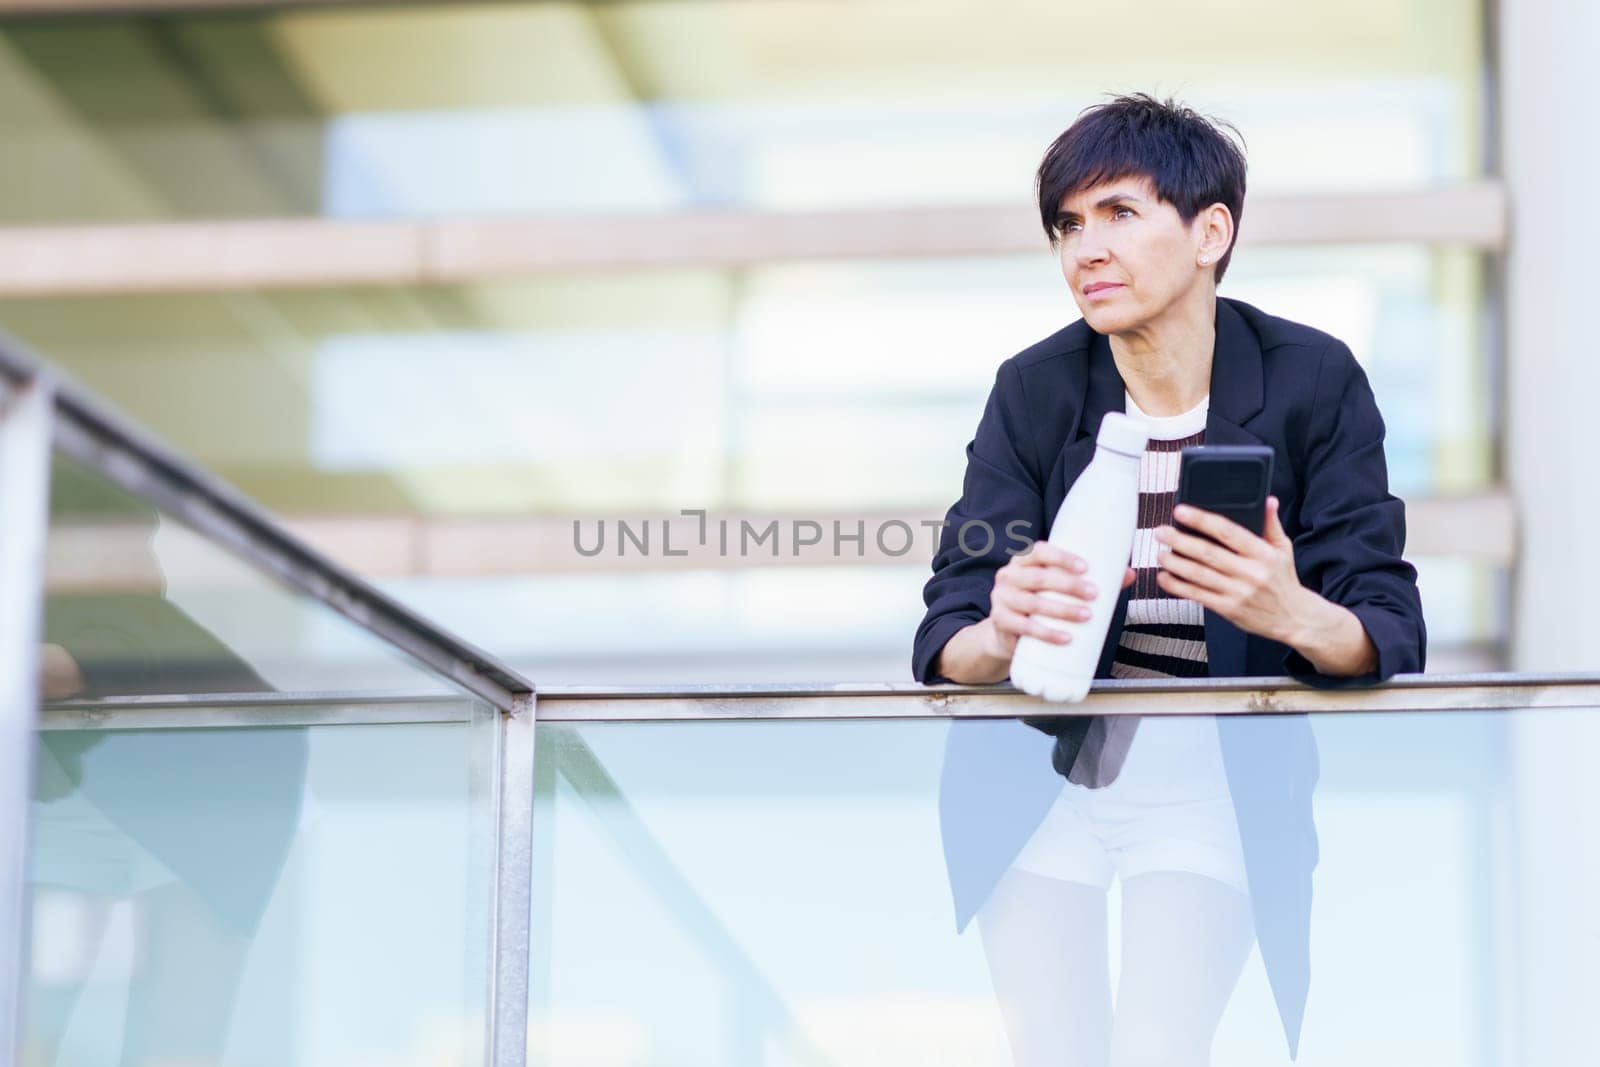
(1186, 590)
(1045, 632)
(1058, 580)
(1022, 571)
(1025, 602)
(1034, 626)
(1057, 606)
(1274, 527)
(1010, 622)
(1043, 553)
(1199, 574)
(1210, 553)
(1021, 605)
(1226, 531)
(1129, 577)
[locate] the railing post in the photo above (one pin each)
(25, 423)
(513, 890)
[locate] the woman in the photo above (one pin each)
(1206, 823)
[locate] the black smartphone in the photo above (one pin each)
(1231, 480)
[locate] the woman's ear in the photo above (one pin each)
(1216, 234)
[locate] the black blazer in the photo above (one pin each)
(1273, 382)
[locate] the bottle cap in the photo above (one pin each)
(1122, 434)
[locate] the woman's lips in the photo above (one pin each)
(1101, 289)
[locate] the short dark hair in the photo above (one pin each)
(1188, 157)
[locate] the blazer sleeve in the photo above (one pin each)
(1353, 530)
(1000, 513)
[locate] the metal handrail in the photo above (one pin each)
(1206, 696)
(241, 710)
(846, 701)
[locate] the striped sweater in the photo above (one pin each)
(1163, 636)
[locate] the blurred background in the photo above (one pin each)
(437, 282)
(448, 286)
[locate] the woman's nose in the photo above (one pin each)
(1090, 249)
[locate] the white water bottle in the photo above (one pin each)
(1097, 522)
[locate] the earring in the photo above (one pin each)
(1205, 260)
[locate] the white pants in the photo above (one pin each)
(1168, 810)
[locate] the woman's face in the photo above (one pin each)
(1128, 257)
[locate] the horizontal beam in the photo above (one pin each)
(1479, 526)
(210, 256)
(86, 557)
(850, 701)
(55, 8)
(91, 557)
(196, 711)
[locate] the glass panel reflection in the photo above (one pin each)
(137, 603)
(215, 880)
(260, 896)
(791, 892)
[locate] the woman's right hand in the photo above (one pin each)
(1018, 597)
(60, 676)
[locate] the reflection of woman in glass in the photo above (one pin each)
(1206, 823)
(191, 827)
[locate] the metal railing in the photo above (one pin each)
(41, 413)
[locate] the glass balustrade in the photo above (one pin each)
(278, 820)
(1381, 887)
(260, 835)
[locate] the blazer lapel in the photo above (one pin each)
(1103, 391)
(1237, 394)
(1236, 398)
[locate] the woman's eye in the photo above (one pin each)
(1120, 210)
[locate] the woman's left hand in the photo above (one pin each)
(1248, 580)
